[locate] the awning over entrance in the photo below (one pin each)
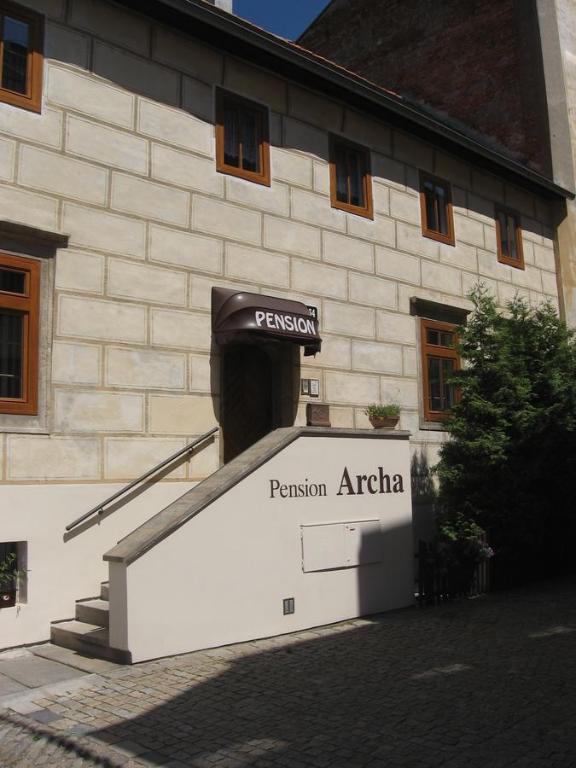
(241, 316)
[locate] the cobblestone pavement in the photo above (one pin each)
(485, 683)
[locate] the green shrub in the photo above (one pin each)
(512, 453)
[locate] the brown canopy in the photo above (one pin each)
(241, 316)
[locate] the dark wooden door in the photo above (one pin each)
(247, 398)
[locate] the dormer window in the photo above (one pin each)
(242, 144)
(350, 178)
(509, 238)
(21, 56)
(436, 209)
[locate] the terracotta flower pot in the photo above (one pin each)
(384, 422)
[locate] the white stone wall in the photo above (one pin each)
(247, 550)
(122, 158)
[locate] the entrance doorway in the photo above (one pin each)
(258, 393)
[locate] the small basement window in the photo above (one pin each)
(12, 573)
(242, 138)
(436, 209)
(350, 178)
(509, 238)
(21, 56)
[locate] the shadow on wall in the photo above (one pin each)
(116, 506)
(161, 84)
(386, 571)
(385, 691)
(423, 498)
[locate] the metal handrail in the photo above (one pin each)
(100, 507)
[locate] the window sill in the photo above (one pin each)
(256, 178)
(366, 213)
(438, 237)
(515, 263)
(23, 429)
(433, 426)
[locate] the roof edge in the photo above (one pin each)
(239, 37)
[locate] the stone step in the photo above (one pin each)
(88, 639)
(104, 593)
(93, 611)
(71, 658)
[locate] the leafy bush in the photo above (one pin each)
(512, 454)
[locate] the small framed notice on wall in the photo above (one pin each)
(310, 387)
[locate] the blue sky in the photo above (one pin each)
(287, 18)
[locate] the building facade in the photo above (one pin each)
(152, 152)
(501, 71)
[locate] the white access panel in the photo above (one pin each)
(341, 545)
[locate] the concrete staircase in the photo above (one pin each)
(87, 633)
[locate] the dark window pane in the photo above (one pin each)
(356, 179)
(503, 227)
(436, 205)
(341, 175)
(441, 395)
(434, 384)
(15, 58)
(442, 208)
(249, 140)
(448, 390)
(512, 250)
(439, 338)
(431, 218)
(231, 137)
(12, 281)
(446, 339)
(11, 343)
(350, 176)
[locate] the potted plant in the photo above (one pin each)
(9, 575)
(383, 416)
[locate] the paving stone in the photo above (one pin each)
(9, 686)
(72, 659)
(486, 683)
(34, 672)
(45, 716)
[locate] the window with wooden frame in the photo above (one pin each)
(436, 209)
(21, 56)
(242, 138)
(439, 362)
(509, 238)
(19, 307)
(350, 178)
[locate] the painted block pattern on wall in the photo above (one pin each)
(122, 159)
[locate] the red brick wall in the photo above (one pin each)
(476, 60)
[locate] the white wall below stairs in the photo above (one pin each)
(61, 572)
(223, 575)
